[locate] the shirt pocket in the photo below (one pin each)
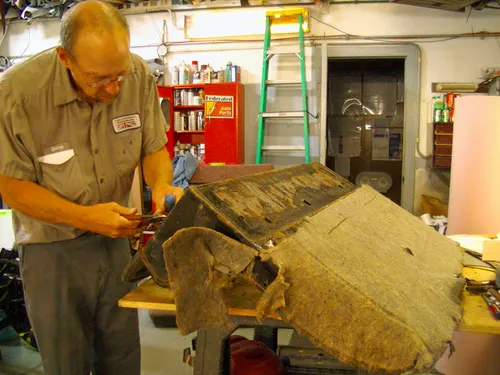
(62, 175)
(128, 152)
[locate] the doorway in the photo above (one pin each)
(410, 54)
(365, 122)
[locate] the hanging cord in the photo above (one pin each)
(5, 31)
(174, 22)
(29, 40)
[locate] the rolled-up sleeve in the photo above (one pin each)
(15, 160)
(154, 124)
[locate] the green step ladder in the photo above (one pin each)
(284, 17)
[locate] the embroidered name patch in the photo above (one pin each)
(124, 123)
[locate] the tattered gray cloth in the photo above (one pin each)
(361, 277)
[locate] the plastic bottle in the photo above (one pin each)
(174, 75)
(228, 75)
(195, 72)
(183, 74)
(438, 109)
(445, 115)
(208, 74)
(202, 73)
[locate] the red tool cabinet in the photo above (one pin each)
(223, 112)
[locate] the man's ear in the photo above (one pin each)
(63, 56)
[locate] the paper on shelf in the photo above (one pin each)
(473, 243)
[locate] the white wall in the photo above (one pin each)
(457, 60)
(6, 230)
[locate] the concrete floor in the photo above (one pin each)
(161, 351)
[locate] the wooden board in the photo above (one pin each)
(149, 295)
(477, 317)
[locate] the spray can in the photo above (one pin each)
(192, 121)
(177, 121)
(184, 98)
(177, 97)
(200, 121)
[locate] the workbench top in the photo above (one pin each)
(242, 298)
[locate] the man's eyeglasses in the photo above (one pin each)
(103, 82)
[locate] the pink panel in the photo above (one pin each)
(474, 206)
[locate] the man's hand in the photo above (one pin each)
(40, 203)
(161, 191)
(158, 173)
(107, 219)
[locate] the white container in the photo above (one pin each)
(174, 75)
(6, 231)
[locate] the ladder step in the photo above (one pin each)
(283, 83)
(283, 148)
(283, 50)
(292, 114)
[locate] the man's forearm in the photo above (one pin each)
(157, 168)
(39, 203)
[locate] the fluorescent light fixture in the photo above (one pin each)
(236, 24)
(456, 87)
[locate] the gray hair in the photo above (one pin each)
(78, 19)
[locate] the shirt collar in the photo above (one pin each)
(64, 91)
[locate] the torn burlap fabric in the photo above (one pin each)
(362, 278)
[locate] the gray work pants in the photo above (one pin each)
(72, 290)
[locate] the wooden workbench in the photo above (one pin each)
(241, 300)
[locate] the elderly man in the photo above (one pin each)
(75, 121)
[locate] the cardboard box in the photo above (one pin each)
(491, 251)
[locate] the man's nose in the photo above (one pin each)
(113, 88)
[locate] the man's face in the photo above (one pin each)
(98, 65)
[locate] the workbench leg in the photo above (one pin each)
(212, 352)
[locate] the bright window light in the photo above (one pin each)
(236, 23)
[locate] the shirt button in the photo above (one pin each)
(96, 151)
(102, 180)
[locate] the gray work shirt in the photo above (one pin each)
(84, 154)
